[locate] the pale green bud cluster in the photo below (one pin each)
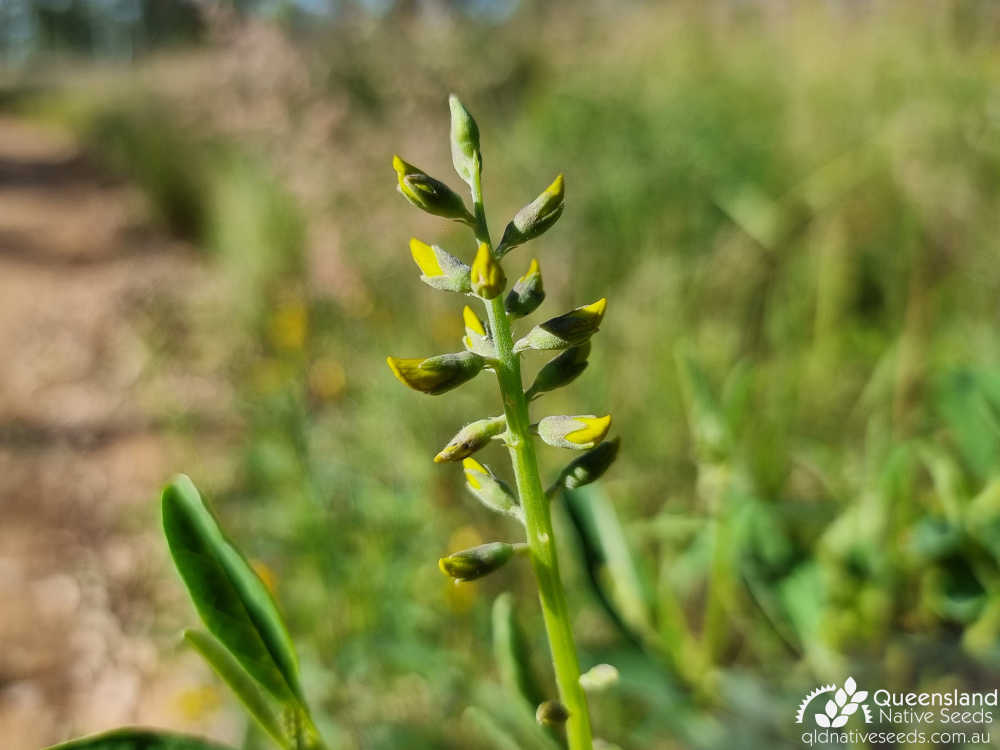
(482, 277)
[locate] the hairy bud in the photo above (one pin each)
(590, 466)
(440, 269)
(477, 337)
(436, 375)
(464, 141)
(566, 330)
(471, 438)
(527, 293)
(535, 218)
(494, 493)
(470, 564)
(560, 371)
(428, 194)
(577, 433)
(488, 279)
(551, 714)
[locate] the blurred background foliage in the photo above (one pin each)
(793, 211)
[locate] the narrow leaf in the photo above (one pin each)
(511, 651)
(134, 738)
(239, 681)
(232, 601)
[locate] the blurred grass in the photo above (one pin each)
(794, 217)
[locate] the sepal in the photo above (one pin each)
(477, 336)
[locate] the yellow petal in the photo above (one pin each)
(425, 258)
(471, 467)
(593, 431)
(472, 321)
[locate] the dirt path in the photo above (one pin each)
(90, 381)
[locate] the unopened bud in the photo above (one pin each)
(426, 193)
(477, 337)
(494, 493)
(464, 141)
(535, 218)
(470, 564)
(488, 279)
(598, 678)
(551, 714)
(566, 330)
(527, 293)
(436, 375)
(590, 466)
(577, 433)
(440, 269)
(560, 371)
(471, 438)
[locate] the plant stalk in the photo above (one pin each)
(537, 517)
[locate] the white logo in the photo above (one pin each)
(839, 708)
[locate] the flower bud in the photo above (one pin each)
(577, 433)
(494, 493)
(527, 293)
(436, 375)
(470, 564)
(566, 330)
(426, 193)
(560, 371)
(464, 141)
(590, 466)
(487, 275)
(534, 219)
(599, 678)
(471, 438)
(551, 714)
(440, 269)
(477, 337)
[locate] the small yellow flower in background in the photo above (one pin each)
(289, 325)
(267, 575)
(327, 378)
(194, 704)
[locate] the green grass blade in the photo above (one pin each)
(511, 652)
(133, 738)
(239, 681)
(232, 601)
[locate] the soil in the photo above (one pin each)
(95, 302)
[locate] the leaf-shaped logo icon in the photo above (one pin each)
(823, 721)
(850, 686)
(831, 709)
(840, 697)
(849, 709)
(838, 722)
(859, 697)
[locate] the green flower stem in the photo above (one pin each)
(537, 518)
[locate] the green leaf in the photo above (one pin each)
(612, 567)
(139, 739)
(232, 601)
(239, 681)
(511, 651)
